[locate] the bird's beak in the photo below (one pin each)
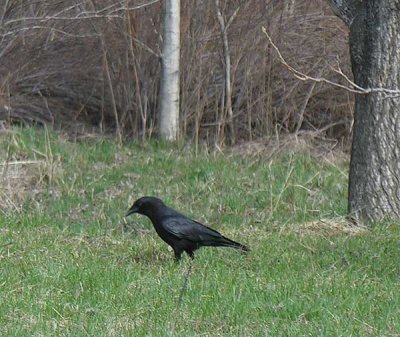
(132, 210)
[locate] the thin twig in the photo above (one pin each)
(31, 28)
(304, 106)
(98, 14)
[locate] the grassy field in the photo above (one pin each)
(71, 265)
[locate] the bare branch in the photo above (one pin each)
(136, 7)
(98, 14)
(354, 88)
(32, 23)
(52, 29)
(145, 47)
(232, 18)
(228, 85)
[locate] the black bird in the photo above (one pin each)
(180, 232)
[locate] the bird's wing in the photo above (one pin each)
(185, 228)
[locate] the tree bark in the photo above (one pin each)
(374, 180)
(345, 9)
(169, 88)
(374, 185)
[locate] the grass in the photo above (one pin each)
(72, 266)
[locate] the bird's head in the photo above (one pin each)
(144, 205)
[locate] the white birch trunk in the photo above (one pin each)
(169, 88)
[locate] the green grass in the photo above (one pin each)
(69, 269)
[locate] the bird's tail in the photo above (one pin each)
(225, 242)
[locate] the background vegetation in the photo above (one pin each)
(93, 65)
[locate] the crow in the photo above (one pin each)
(180, 232)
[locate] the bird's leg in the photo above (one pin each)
(190, 253)
(178, 254)
(185, 283)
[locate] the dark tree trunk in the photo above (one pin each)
(374, 181)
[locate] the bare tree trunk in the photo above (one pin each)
(227, 57)
(169, 91)
(374, 182)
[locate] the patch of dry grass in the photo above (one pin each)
(24, 171)
(326, 227)
(18, 181)
(306, 141)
